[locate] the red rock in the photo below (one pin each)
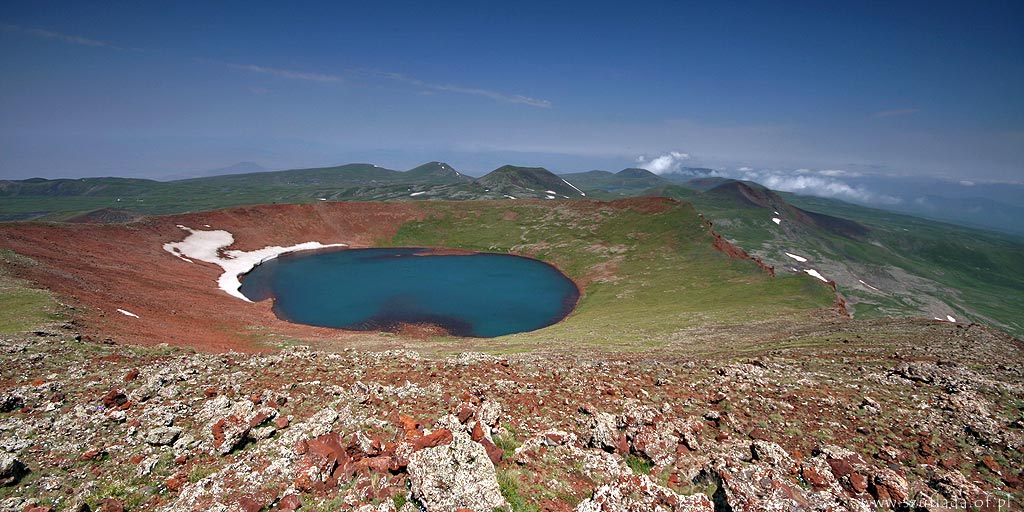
(991, 464)
(281, 422)
(554, 437)
(465, 412)
(250, 505)
(840, 467)
(436, 438)
(93, 454)
(812, 476)
(218, 432)
(859, 482)
(261, 417)
(290, 503)
(478, 432)
(411, 426)
(111, 505)
(177, 481)
(550, 505)
(210, 392)
(132, 375)
(181, 459)
(759, 434)
(301, 447)
(622, 444)
(135, 459)
(380, 463)
(114, 398)
(38, 382)
(39, 509)
(493, 451)
(1012, 481)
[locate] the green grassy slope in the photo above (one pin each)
(654, 275)
(24, 307)
(909, 266)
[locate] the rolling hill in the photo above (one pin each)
(536, 182)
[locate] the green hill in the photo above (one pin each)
(522, 182)
(884, 264)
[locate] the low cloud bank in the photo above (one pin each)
(822, 183)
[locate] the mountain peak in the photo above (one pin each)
(436, 171)
(529, 182)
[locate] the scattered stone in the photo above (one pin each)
(162, 436)
(638, 493)
(114, 398)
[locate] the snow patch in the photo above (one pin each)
(414, 194)
(801, 259)
(549, 197)
(868, 285)
(574, 186)
(814, 273)
(950, 318)
(508, 196)
(127, 313)
(776, 220)
(209, 246)
(318, 199)
(551, 192)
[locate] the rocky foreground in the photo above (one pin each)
(926, 416)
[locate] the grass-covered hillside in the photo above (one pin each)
(885, 264)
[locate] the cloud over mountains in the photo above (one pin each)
(822, 183)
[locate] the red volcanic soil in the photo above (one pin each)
(103, 267)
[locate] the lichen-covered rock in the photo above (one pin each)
(638, 493)
(772, 454)
(453, 476)
(604, 433)
(161, 436)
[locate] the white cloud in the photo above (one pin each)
(497, 96)
(287, 73)
(815, 183)
(66, 38)
(744, 169)
(837, 173)
(458, 89)
(663, 164)
(967, 183)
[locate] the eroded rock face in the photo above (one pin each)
(454, 476)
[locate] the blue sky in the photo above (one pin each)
(154, 89)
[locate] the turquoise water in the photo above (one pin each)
(481, 295)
